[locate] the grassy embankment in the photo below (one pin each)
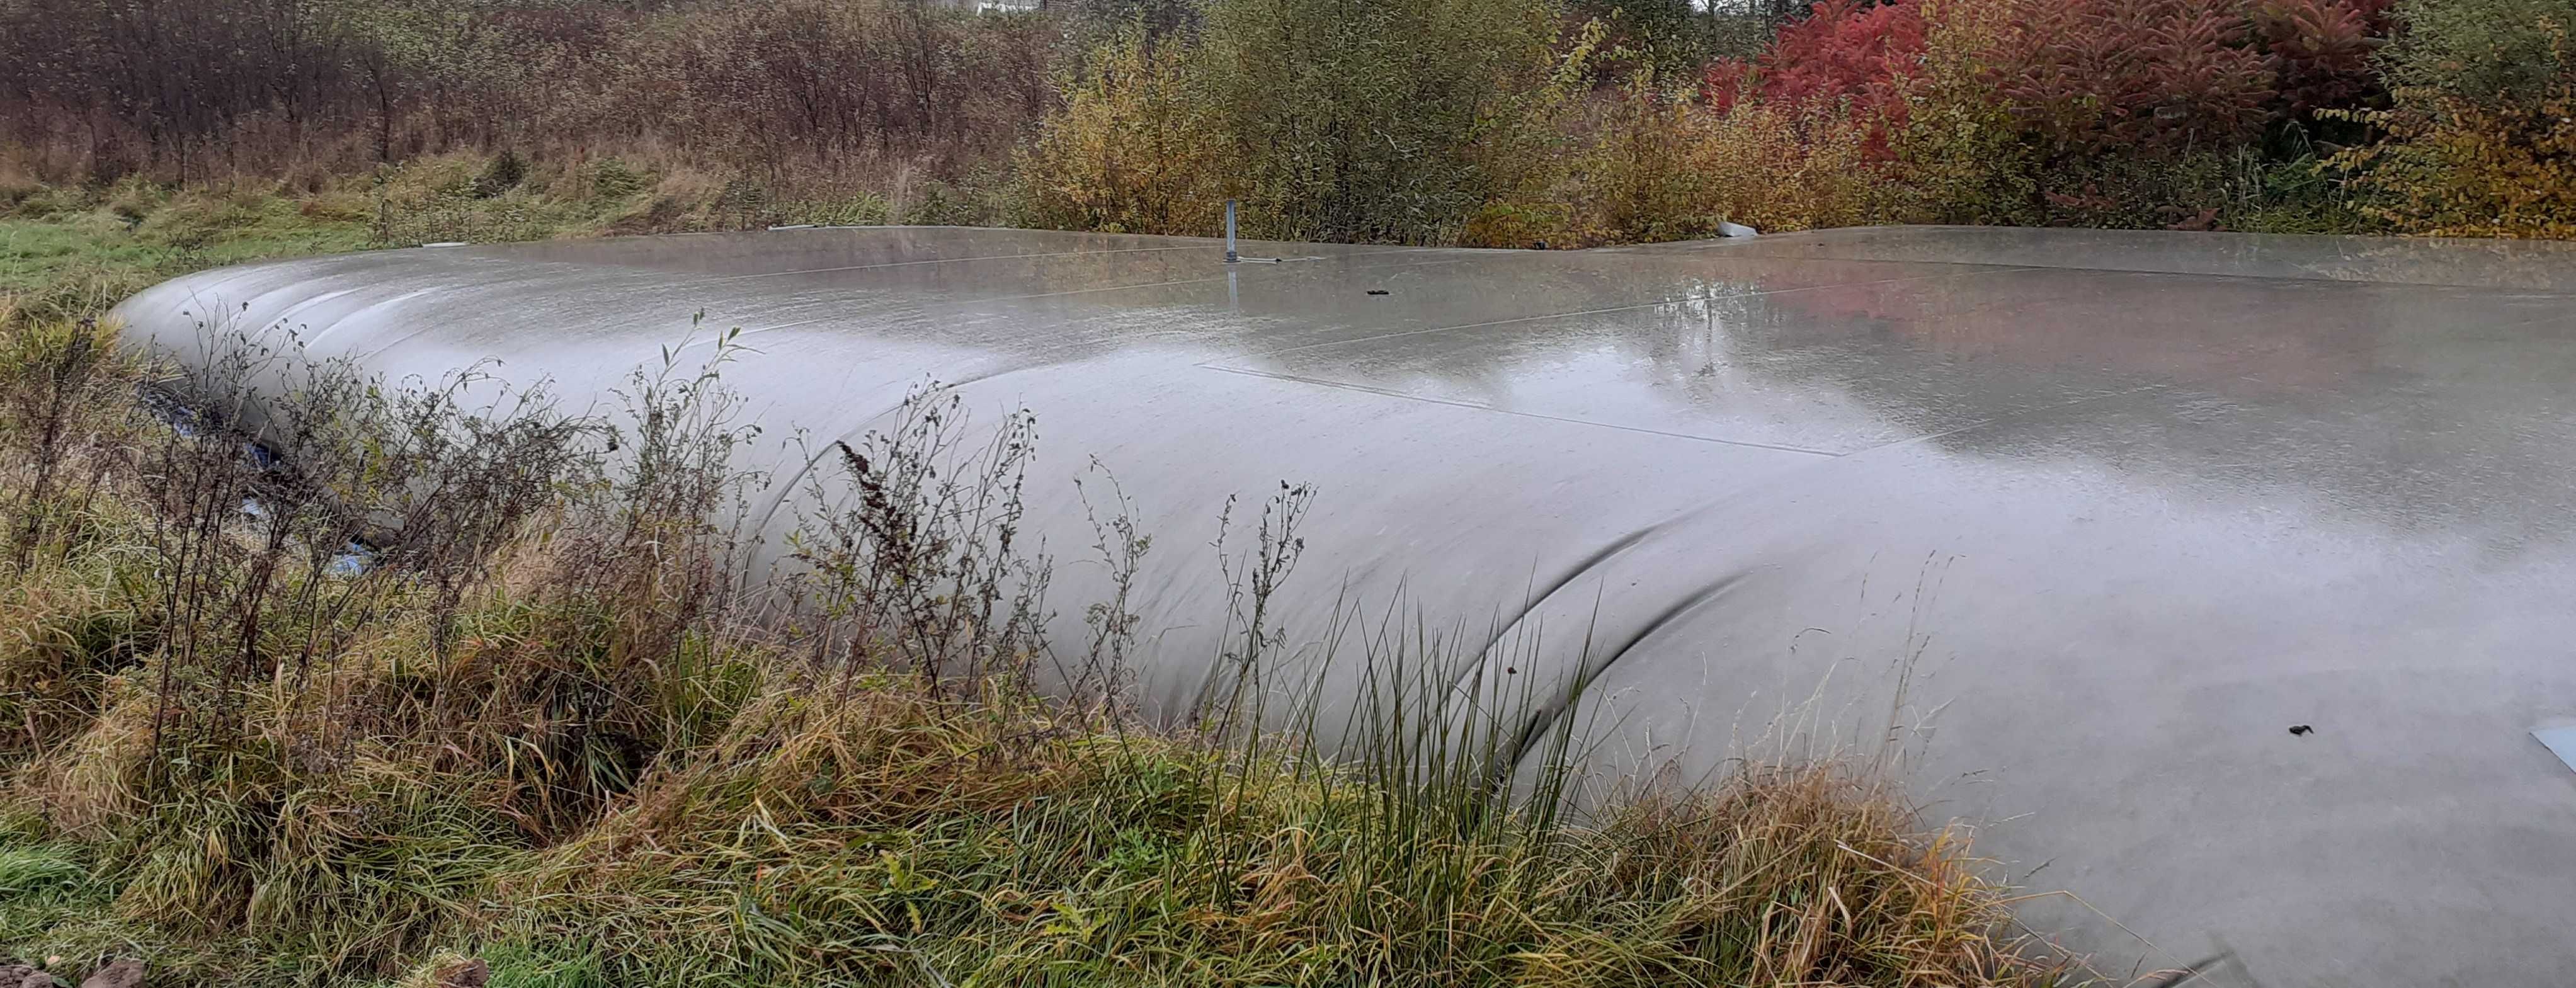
(539, 738)
(71, 250)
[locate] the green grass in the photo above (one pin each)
(85, 261)
(66, 252)
(71, 250)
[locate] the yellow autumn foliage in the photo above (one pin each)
(1129, 152)
(2481, 126)
(2472, 170)
(1670, 166)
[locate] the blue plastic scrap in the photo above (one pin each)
(2561, 742)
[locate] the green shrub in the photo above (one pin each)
(1330, 121)
(613, 178)
(2488, 54)
(1375, 121)
(505, 171)
(1135, 148)
(1670, 167)
(2481, 134)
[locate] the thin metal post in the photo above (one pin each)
(1230, 256)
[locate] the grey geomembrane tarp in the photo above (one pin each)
(2136, 502)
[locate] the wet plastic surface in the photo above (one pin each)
(2135, 502)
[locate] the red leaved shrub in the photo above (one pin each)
(2319, 51)
(2097, 112)
(2087, 77)
(2151, 76)
(1844, 50)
